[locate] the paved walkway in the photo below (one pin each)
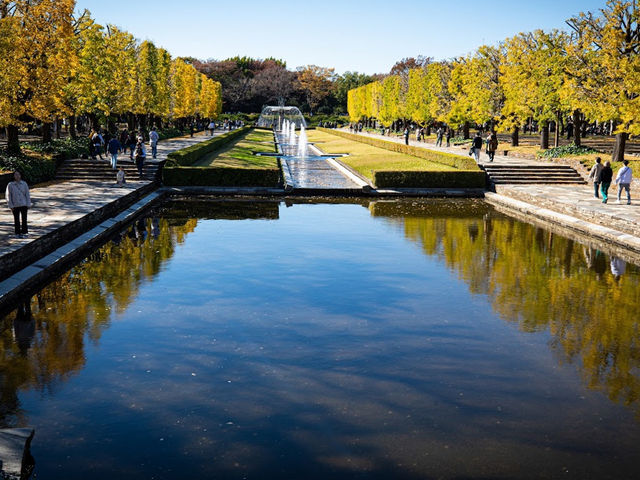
(60, 203)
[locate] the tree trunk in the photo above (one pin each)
(72, 127)
(95, 124)
(58, 128)
(515, 136)
(577, 128)
(618, 148)
(13, 142)
(465, 131)
(556, 140)
(46, 132)
(544, 136)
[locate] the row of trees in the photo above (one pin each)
(589, 73)
(56, 64)
(248, 84)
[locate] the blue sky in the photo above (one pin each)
(365, 36)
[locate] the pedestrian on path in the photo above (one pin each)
(98, 143)
(114, 148)
(19, 201)
(124, 135)
(153, 141)
(439, 135)
(476, 147)
(406, 136)
(131, 142)
(140, 155)
(605, 178)
(212, 127)
(594, 175)
(492, 145)
(623, 179)
(448, 136)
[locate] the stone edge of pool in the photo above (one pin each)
(40, 270)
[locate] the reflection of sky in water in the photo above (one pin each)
(321, 345)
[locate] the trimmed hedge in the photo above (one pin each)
(33, 169)
(450, 159)
(418, 179)
(221, 176)
(61, 149)
(188, 156)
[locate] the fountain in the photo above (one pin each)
(303, 144)
(292, 136)
(274, 117)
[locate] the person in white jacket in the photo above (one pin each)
(623, 179)
(19, 201)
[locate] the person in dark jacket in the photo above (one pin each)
(476, 147)
(113, 147)
(605, 180)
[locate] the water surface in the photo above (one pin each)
(422, 339)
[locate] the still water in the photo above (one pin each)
(411, 340)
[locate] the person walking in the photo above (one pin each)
(594, 175)
(123, 141)
(212, 127)
(19, 201)
(406, 136)
(605, 180)
(140, 155)
(113, 147)
(448, 136)
(623, 179)
(153, 141)
(476, 146)
(492, 145)
(439, 135)
(131, 143)
(98, 143)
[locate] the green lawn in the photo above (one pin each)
(239, 154)
(365, 158)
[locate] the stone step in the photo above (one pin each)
(535, 174)
(541, 182)
(105, 169)
(527, 169)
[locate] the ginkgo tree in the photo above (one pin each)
(36, 55)
(54, 63)
(533, 78)
(604, 67)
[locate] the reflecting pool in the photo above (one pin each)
(267, 339)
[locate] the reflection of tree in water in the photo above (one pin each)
(543, 281)
(45, 344)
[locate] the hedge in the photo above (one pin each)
(221, 176)
(188, 156)
(421, 179)
(33, 169)
(450, 159)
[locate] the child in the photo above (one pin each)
(120, 177)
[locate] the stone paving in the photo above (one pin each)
(57, 204)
